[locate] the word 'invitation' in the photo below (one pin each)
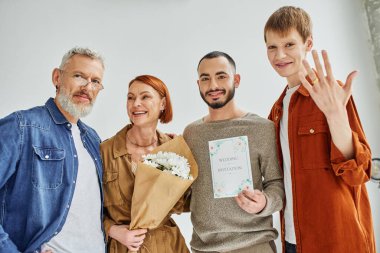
(230, 166)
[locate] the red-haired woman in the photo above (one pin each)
(148, 101)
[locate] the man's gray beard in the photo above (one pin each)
(69, 106)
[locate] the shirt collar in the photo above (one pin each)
(303, 91)
(119, 144)
(55, 113)
(59, 118)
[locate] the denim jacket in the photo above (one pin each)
(38, 170)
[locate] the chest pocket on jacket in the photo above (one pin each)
(314, 144)
(112, 195)
(47, 170)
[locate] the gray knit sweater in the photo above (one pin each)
(220, 224)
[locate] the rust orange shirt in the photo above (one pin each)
(330, 201)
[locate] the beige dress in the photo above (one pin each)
(118, 184)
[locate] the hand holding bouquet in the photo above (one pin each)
(160, 182)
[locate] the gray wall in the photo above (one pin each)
(373, 14)
(167, 38)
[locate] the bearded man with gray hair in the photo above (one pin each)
(50, 166)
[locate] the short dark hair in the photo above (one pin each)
(215, 54)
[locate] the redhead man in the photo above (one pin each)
(324, 154)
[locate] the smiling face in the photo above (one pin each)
(144, 104)
(76, 101)
(217, 81)
(286, 53)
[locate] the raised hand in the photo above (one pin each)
(328, 95)
(251, 201)
(331, 98)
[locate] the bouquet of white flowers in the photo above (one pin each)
(161, 181)
(169, 162)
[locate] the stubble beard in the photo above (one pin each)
(219, 104)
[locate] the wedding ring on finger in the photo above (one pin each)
(316, 80)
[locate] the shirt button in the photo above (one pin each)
(68, 125)
(311, 130)
(96, 159)
(276, 118)
(55, 233)
(73, 181)
(75, 156)
(47, 156)
(68, 206)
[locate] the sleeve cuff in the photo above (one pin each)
(269, 208)
(340, 164)
(107, 225)
(6, 245)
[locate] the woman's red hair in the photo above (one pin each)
(167, 115)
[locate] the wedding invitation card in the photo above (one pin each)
(230, 166)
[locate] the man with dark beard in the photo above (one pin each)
(50, 166)
(242, 223)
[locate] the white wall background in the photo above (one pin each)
(166, 38)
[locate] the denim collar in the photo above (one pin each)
(59, 118)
